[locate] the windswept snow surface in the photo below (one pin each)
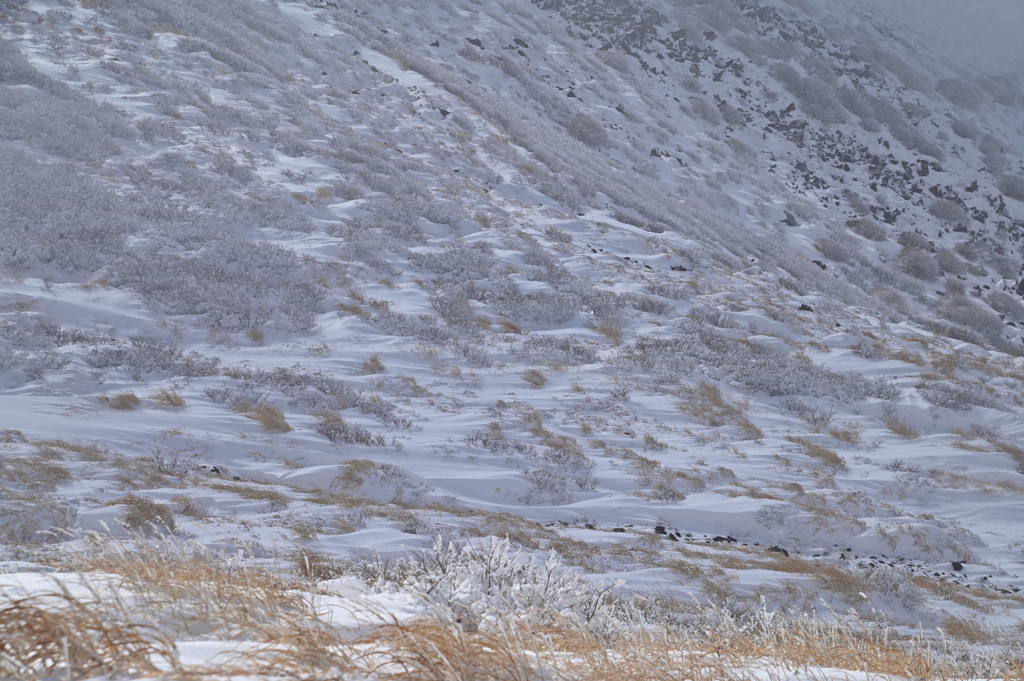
(656, 285)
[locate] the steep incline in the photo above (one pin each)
(654, 285)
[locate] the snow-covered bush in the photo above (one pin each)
(1006, 304)
(867, 228)
(588, 130)
(948, 211)
(958, 395)
(961, 93)
(897, 584)
(949, 262)
(1012, 186)
(967, 128)
(486, 582)
(919, 263)
(960, 310)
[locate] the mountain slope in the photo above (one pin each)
(654, 285)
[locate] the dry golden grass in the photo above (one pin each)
(349, 309)
(898, 426)
(270, 418)
(54, 635)
(1014, 450)
(275, 499)
(812, 449)
(372, 365)
(145, 517)
(535, 377)
(256, 336)
(168, 398)
(353, 474)
(93, 452)
(35, 473)
(848, 433)
(612, 333)
(122, 400)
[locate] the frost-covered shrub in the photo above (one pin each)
(231, 283)
(147, 355)
(855, 103)
(958, 395)
(458, 260)
(960, 310)
(560, 348)
(919, 264)
(966, 128)
(452, 302)
(833, 250)
(899, 585)
(1007, 266)
(588, 130)
(949, 262)
(1006, 304)
(760, 367)
(948, 211)
(482, 583)
(961, 93)
(537, 308)
(705, 110)
(1012, 186)
(867, 228)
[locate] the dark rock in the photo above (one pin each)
(804, 307)
(779, 549)
(436, 43)
(958, 566)
(475, 42)
(618, 529)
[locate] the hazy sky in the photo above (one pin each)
(984, 33)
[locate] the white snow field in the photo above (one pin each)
(712, 309)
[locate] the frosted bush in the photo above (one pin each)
(868, 228)
(1012, 186)
(483, 583)
(949, 262)
(833, 250)
(919, 264)
(897, 584)
(948, 211)
(461, 261)
(960, 310)
(961, 93)
(588, 130)
(561, 348)
(966, 128)
(1006, 304)
(759, 367)
(959, 395)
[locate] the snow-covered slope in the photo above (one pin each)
(656, 285)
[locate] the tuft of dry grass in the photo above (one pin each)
(146, 517)
(849, 433)
(168, 398)
(612, 333)
(270, 418)
(256, 335)
(275, 499)
(372, 365)
(812, 449)
(898, 426)
(35, 473)
(122, 400)
(55, 635)
(535, 377)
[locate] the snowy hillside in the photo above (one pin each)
(720, 298)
